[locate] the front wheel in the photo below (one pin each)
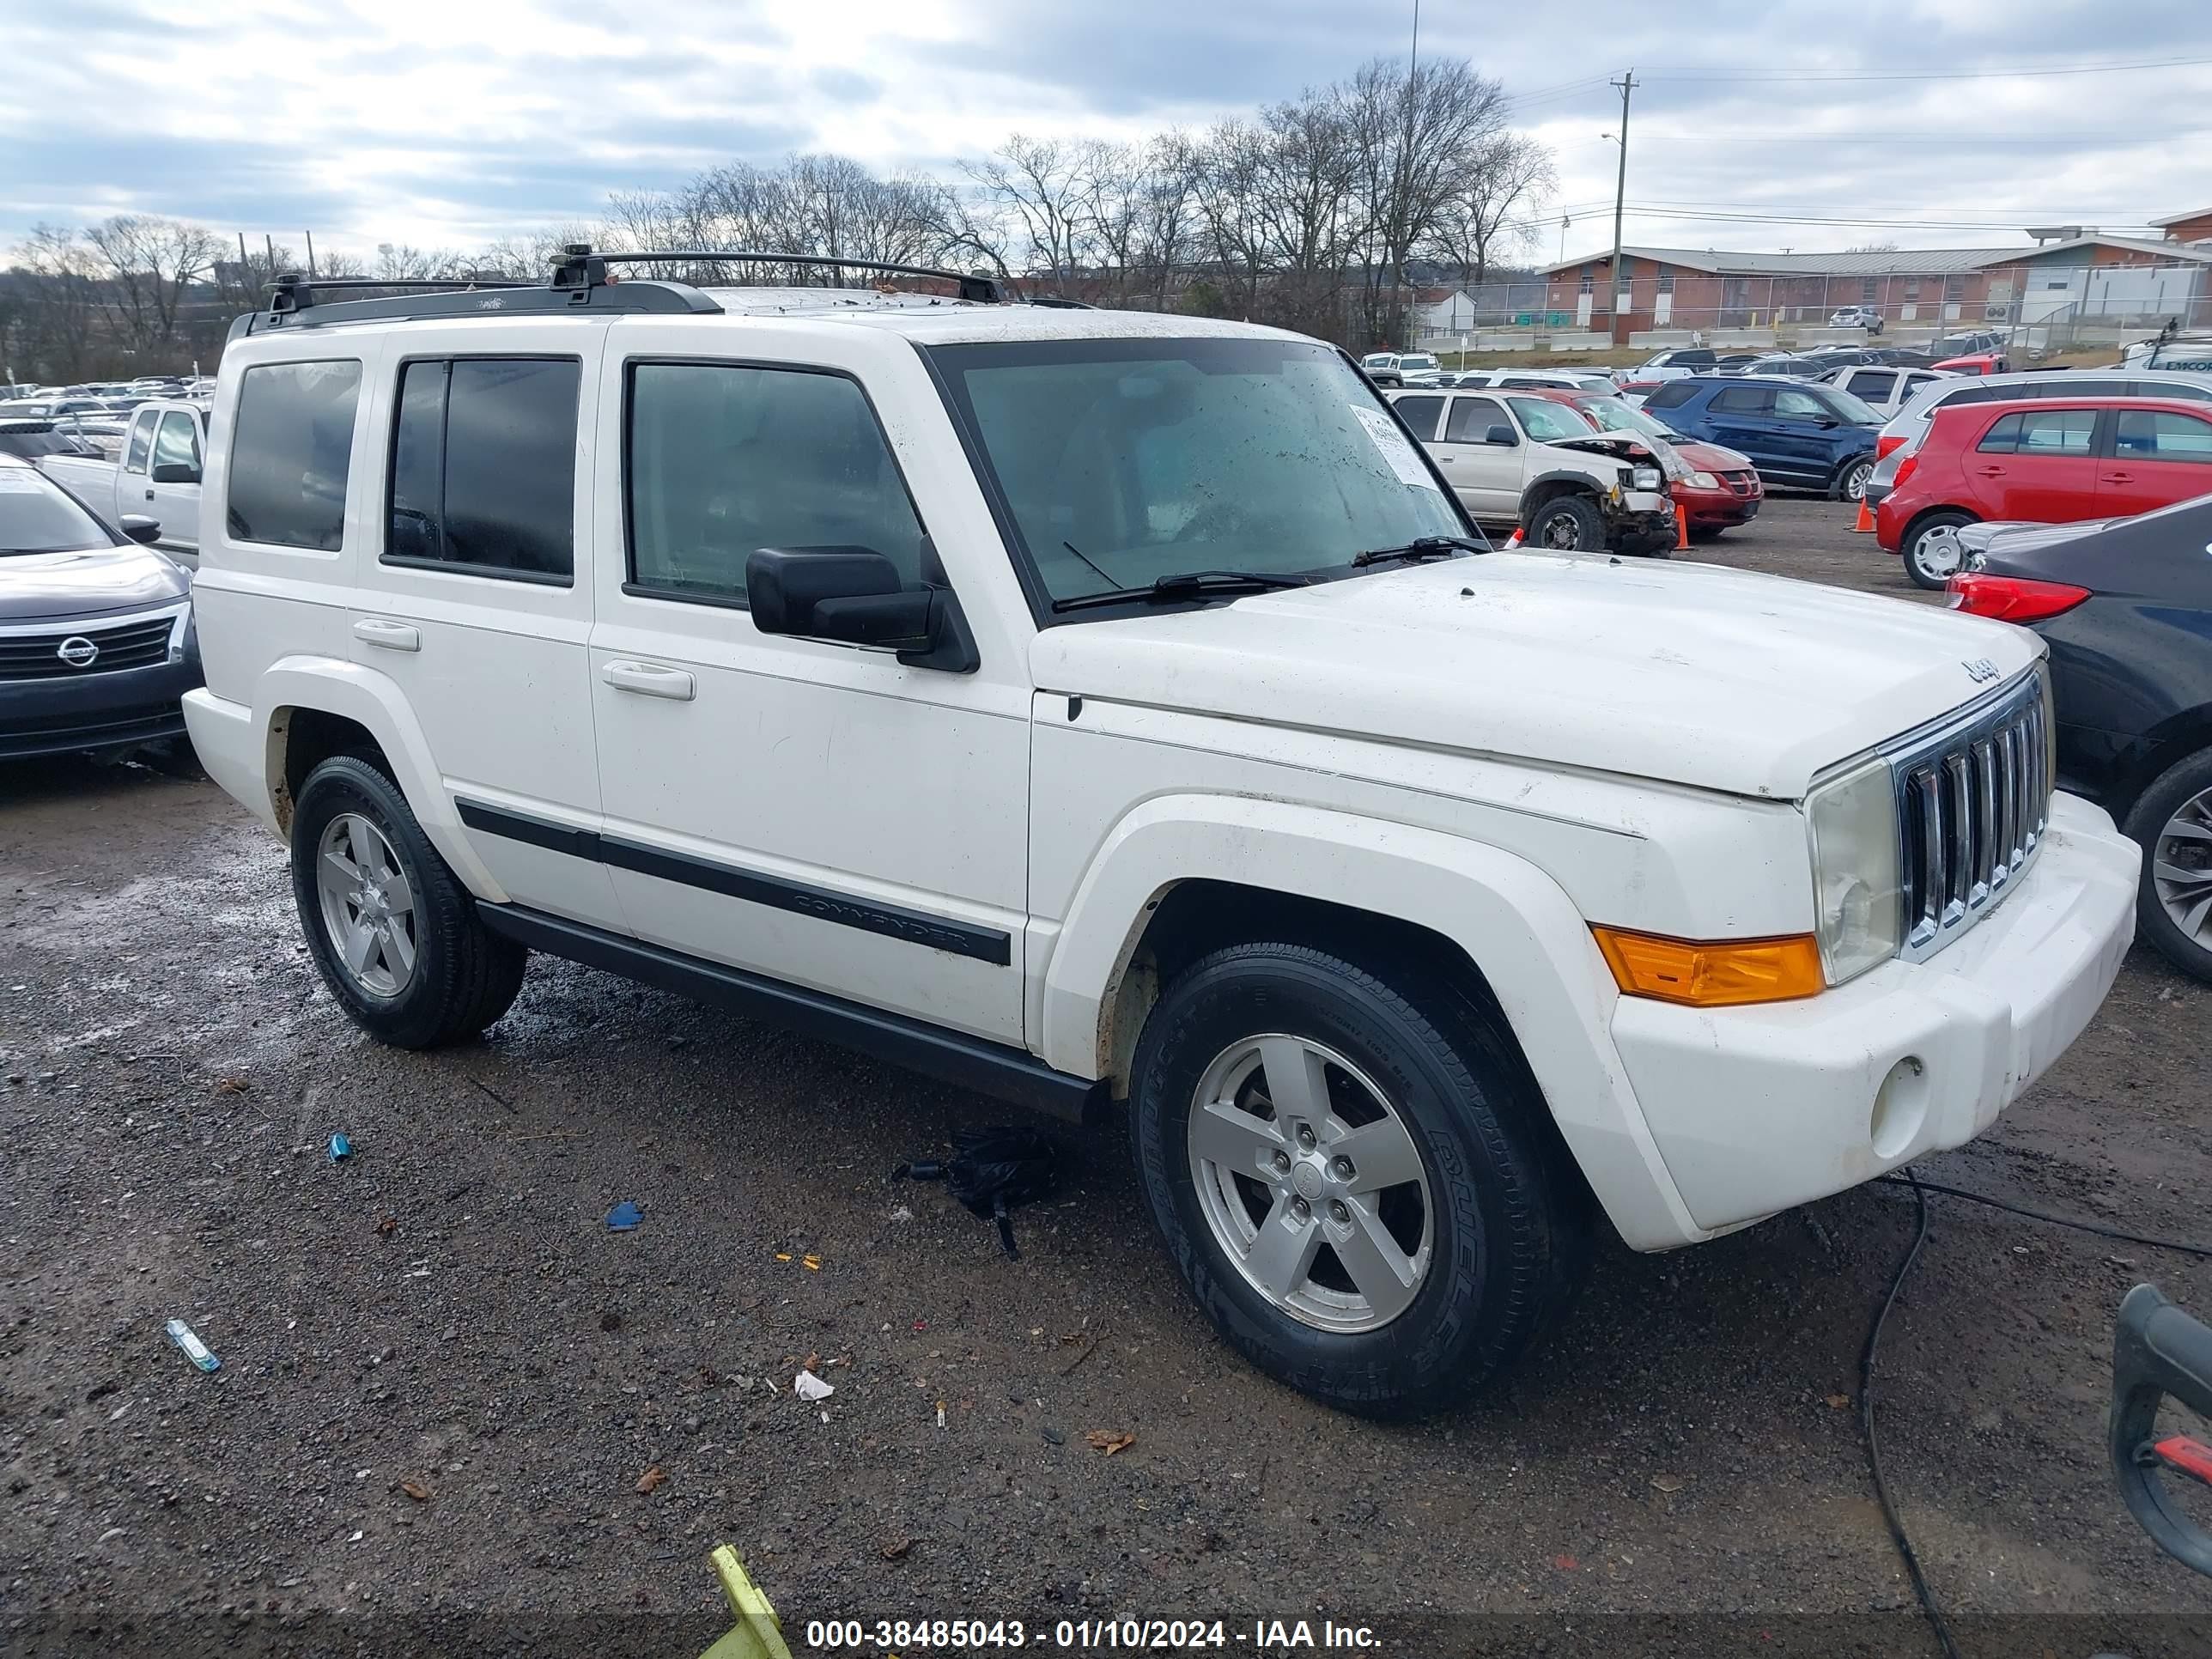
(1353, 1185)
(1933, 552)
(395, 935)
(2172, 823)
(1567, 524)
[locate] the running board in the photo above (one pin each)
(954, 1057)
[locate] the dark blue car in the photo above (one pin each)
(1800, 435)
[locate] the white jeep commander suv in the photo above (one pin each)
(1096, 708)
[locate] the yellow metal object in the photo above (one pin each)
(759, 1634)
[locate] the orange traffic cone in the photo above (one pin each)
(1514, 540)
(1681, 527)
(1864, 522)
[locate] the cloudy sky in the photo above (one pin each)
(456, 122)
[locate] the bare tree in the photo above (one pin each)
(147, 263)
(1509, 176)
(56, 280)
(1049, 187)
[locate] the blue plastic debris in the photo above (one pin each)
(623, 1217)
(194, 1349)
(340, 1149)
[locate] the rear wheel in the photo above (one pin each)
(2173, 821)
(1567, 524)
(1850, 484)
(394, 933)
(1933, 552)
(1353, 1185)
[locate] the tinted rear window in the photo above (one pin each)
(1420, 415)
(291, 448)
(484, 466)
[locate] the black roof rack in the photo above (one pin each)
(580, 267)
(580, 279)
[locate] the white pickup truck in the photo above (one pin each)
(156, 475)
(1114, 713)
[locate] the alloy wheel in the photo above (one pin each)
(2181, 869)
(367, 905)
(1312, 1183)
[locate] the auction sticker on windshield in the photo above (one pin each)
(1397, 448)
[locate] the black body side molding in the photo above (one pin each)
(954, 1057)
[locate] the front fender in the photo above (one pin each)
(1512, 919)
(370, 699)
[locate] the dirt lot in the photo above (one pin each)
(447, 1307)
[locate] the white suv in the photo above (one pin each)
(1098, 708)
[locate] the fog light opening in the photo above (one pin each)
(1900, 1107)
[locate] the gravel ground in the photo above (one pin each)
(1678, 1471)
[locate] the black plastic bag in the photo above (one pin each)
(993, 1171)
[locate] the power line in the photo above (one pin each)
(1753, 73)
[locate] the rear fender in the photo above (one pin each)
(372, 700)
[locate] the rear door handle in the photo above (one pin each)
(149, 495)
(1991, 471)
(391, 635)
(650, 679)
(2116, 477)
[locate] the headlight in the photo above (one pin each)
(1705, 481)
(1646, 478)
(1857, 906)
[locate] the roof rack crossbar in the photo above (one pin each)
(581, 266)
(290, 291)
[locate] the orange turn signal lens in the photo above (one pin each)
(1722, 973)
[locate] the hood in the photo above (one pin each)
(87, 582)
(1711, 457)
(1694, 674)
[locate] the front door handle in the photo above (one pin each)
(2116, 477)
(391, 635)
(650, 679)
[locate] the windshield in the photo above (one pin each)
(1547, 421)
(1852, 408)
(1123, 461)
(1377, 360)
(1417, 361)
(37, 517)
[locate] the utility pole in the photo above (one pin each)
(1627, 84)
(311, 256)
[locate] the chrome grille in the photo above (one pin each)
(34, 652)
(1971, 802)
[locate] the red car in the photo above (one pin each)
(2045, 460)
(1723, 489)
(1978, 363)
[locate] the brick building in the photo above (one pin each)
(2072, 272)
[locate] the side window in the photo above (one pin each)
(176, 444)
(1672, 394)
(1791, 404)
(1420, 414)
(2152, 435)
(1874, 384)
(291, 447)
(723, 459)
(1472, 419)
(483, 467)
(141, 441)
(1743, 400)
(2043, 432)
(2004, 436)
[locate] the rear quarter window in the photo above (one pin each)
(1672, 395)
(291, 451)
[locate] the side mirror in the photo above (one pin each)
(854, 596)
(142, 530)
(175, 472)
(1502, 436)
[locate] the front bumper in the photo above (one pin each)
(1754, 1111)
(95, 711)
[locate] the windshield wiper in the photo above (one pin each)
(1421, 547)
(1184, 585)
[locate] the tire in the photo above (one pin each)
(2172, 823)
(1492, 1229)
(435, 972)
(1567, 524)
(1931, 565)
(1850, 480)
